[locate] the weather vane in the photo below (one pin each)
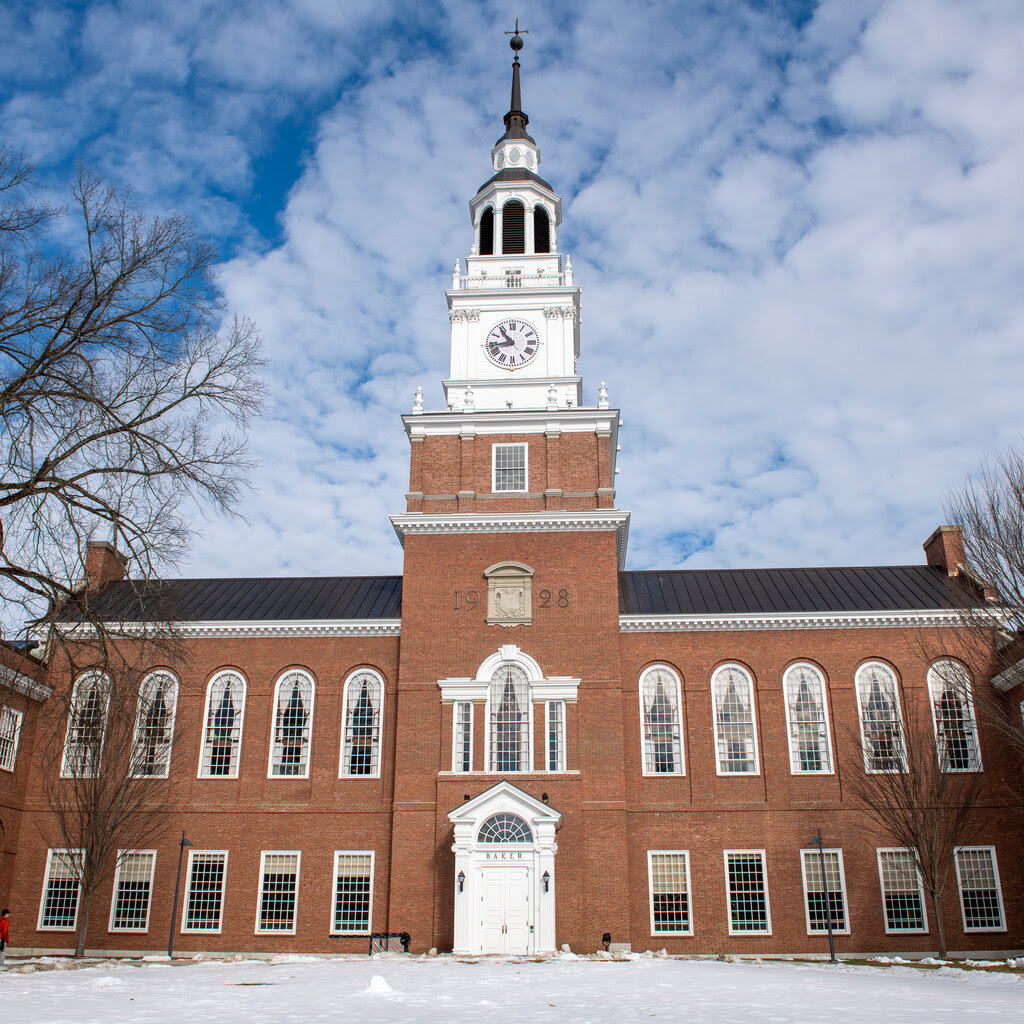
(516, 42)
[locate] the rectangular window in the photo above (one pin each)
(748, 892)
(902, 894)
(509, 467)
(513, 277)
(10, 731)
(58, 910)
(462, 739)
(204, 891)
(669, 877)
(815, 885)
(133, 882)
(980, 898)
(353, 892)
(278, 891)
(555, 715)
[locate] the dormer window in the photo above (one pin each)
(513, 228)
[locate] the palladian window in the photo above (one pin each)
(510, 720)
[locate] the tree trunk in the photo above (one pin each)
(940, 928)
(83, 923)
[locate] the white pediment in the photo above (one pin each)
(505, 798)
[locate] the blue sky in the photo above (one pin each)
(796, 226)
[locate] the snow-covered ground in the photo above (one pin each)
(447, 990)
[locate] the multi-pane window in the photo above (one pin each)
(462, 737)
(133, 882)
(881, 727)
(956, 735)
(204, 891)
(353, 892)
(10, 731)
(809, 747)
(555, 730)
(748, 892)
(733, 692)
(505, 828)
(58, 910)
(361, 717)
(824, 892)
(902, 893)
(154, 725)
(222, 733)
(87, 720)
(509, 719)
(278, 891)
(981, 900)
(509, 467)
(661, 713)
(669, 875)
(293, 717)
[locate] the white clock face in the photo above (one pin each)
(511, 344)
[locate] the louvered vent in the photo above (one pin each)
(541, 230)
(487, 232)
(513, 227)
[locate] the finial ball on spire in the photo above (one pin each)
(516, 42)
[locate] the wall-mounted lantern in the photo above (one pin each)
(462, 880)
(546, 879)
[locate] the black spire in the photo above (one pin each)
(515, 120)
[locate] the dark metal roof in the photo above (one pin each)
(774, 591)
(218, 600)
(515, 174)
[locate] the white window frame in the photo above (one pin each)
(10, 731)
(813, 852)
(236, 756)
(193, 854)
(122, 857)
(144, 686)
(860, 687)
(991, 851)
(937, 684)
(789, 681)
(457, 763)
(289, 677)
(767, 930)
(756, 758)
(560, 738)
(377, 756)
(646, 744)
(525, 448)
(489, 712)
(264, 854)
(71, 853)
(334, 891)
(923, 930)
(67, 770)
(685, 854)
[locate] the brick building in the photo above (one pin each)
(518, 743)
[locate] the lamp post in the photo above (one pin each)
(177, 885)
(817, 841)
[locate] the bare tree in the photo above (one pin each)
(123, 392)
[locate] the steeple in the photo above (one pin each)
(516, 120)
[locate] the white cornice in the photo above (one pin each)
(255, 627)
(22, 683)
(926, 617)
(526, 421)
(517, 522)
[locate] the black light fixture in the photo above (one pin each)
(546, 879)
(820, 844)
(544, 797)
(462, 880)
(177, 883)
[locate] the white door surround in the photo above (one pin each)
(504, 903)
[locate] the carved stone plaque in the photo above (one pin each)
(509, 586)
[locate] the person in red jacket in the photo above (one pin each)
(3, 935)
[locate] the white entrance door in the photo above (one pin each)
(506, 910)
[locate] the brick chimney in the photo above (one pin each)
(103, 565)
(945, 549)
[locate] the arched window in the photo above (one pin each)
(956, 734)
(733, 692)
(661, 711)
(881, 727)
(293, 719)
(509, 718)
(487, 232)
(505, 828)
(222, 733)
(809, 747)
(541, 230)
(87, 722)
(361, 717)
(154, 726)
(513, 227)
